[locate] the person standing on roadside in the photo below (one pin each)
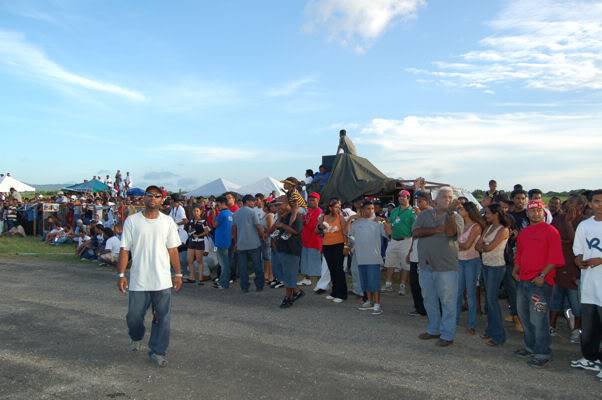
(401, 219)
(152, 238)
(247, 233)
(538, 254)
(438, 230)
(223, 241)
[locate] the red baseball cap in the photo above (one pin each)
(535, 204)
(314, 195)
(404, 193)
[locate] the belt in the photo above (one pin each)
(399, 240)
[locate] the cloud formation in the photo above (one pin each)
(21, 57)
(357, 23)
(205, 153)
(468, 149)
(543, 44)
(290, 88)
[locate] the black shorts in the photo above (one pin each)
(196, 243)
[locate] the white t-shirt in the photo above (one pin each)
(261, 215)
(113, 244)
(178, 214)
(83, 240)
(148, 240)
(414, 253)
(588, 243)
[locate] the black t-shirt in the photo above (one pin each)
(521, 220)
(196, 227)
(292, 245)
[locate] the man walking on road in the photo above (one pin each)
(152, 238)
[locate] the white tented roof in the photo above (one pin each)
(214, 188)
(7, 182)
(264, 186)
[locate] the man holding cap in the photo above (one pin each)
(538, 254)
(401, 219)
(152, 238)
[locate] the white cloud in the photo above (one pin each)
(357, 23)
(192, 94)
(205, 153)
(467, 149)
(544, 44)
(290, 87)
(21, 57)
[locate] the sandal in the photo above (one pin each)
(491, 343)
(188, 280)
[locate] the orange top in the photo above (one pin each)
(334, 233)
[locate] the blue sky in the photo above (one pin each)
(459, 92)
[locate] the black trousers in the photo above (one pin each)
(416, 291)
(334, 258)
(591, 331)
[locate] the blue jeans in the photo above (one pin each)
(467, 279)
(138, 303)
(493, 280)
(277, 266)
(370, 277)
(510, 287)
(573, 296)
(532, 304)
(440, 287)
(243, 272)
(223, 260)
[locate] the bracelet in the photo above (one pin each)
(121, 275)
(179, 275)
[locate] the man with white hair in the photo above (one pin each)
(438, 230)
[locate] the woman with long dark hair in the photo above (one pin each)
(197, 230)
(492, 244)
(333, 226)
(469, 262)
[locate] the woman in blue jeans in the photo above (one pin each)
(469, 261)
(492, 244)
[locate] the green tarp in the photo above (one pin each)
(93, 186)
(353, 177)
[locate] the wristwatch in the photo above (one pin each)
(178, 275)
(542, 275)
(121, 275)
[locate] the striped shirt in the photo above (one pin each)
(295, 199)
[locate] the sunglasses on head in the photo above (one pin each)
(153, 195)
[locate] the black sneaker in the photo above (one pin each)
(522, 353)
(273, 284)
(278, 285)
(298, 295)
(320, 291)
(538, 362)
(286, 303)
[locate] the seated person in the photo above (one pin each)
(110, 253)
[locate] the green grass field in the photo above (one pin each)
(34, 247)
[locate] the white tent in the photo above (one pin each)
(214, 188)
(7, 182)
(264, 186)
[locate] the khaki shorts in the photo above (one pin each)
(108, 257)
(395, 257)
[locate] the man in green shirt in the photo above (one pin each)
(401, 219)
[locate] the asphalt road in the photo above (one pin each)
(63, 336)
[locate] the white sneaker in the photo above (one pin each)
(576, 336)
(387, 288)
(158, 360)
(402, 289)
(135, 345)
(304, 282)
(570, 317)
(377, 310)
(584, 363)
(329, 297)
(337, 300)
(366, 306)
(599, 376)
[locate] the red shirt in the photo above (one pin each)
(309, 237)
(537, 246)
(234, 208)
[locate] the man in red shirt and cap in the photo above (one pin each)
(538, 254)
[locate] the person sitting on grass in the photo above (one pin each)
(84, 247)
(366, 235)
(110, 254)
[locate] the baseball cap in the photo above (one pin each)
(154, 188)
(314, 195)
(535, 204)
(404, 193)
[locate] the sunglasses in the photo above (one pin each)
(153, 195)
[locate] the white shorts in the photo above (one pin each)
(395, 256)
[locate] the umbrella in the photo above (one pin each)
(135, 192)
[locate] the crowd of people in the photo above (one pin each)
(450, 254)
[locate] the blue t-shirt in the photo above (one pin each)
(223, 232)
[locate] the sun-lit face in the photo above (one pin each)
(404, 201)
(197, 213)
(444, 199)
(335, 207)
(368, 211)
(520, 201)
(153, 199)
(596, 205)
(312, 202)
(536, 215)
(554, 205)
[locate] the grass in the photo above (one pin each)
(34, 247)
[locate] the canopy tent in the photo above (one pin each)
(214, 188)
(135, 192)
(264, 186)
(7, 182)
(93, 186)
(353, 177)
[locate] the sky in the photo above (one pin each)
(181, 93)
